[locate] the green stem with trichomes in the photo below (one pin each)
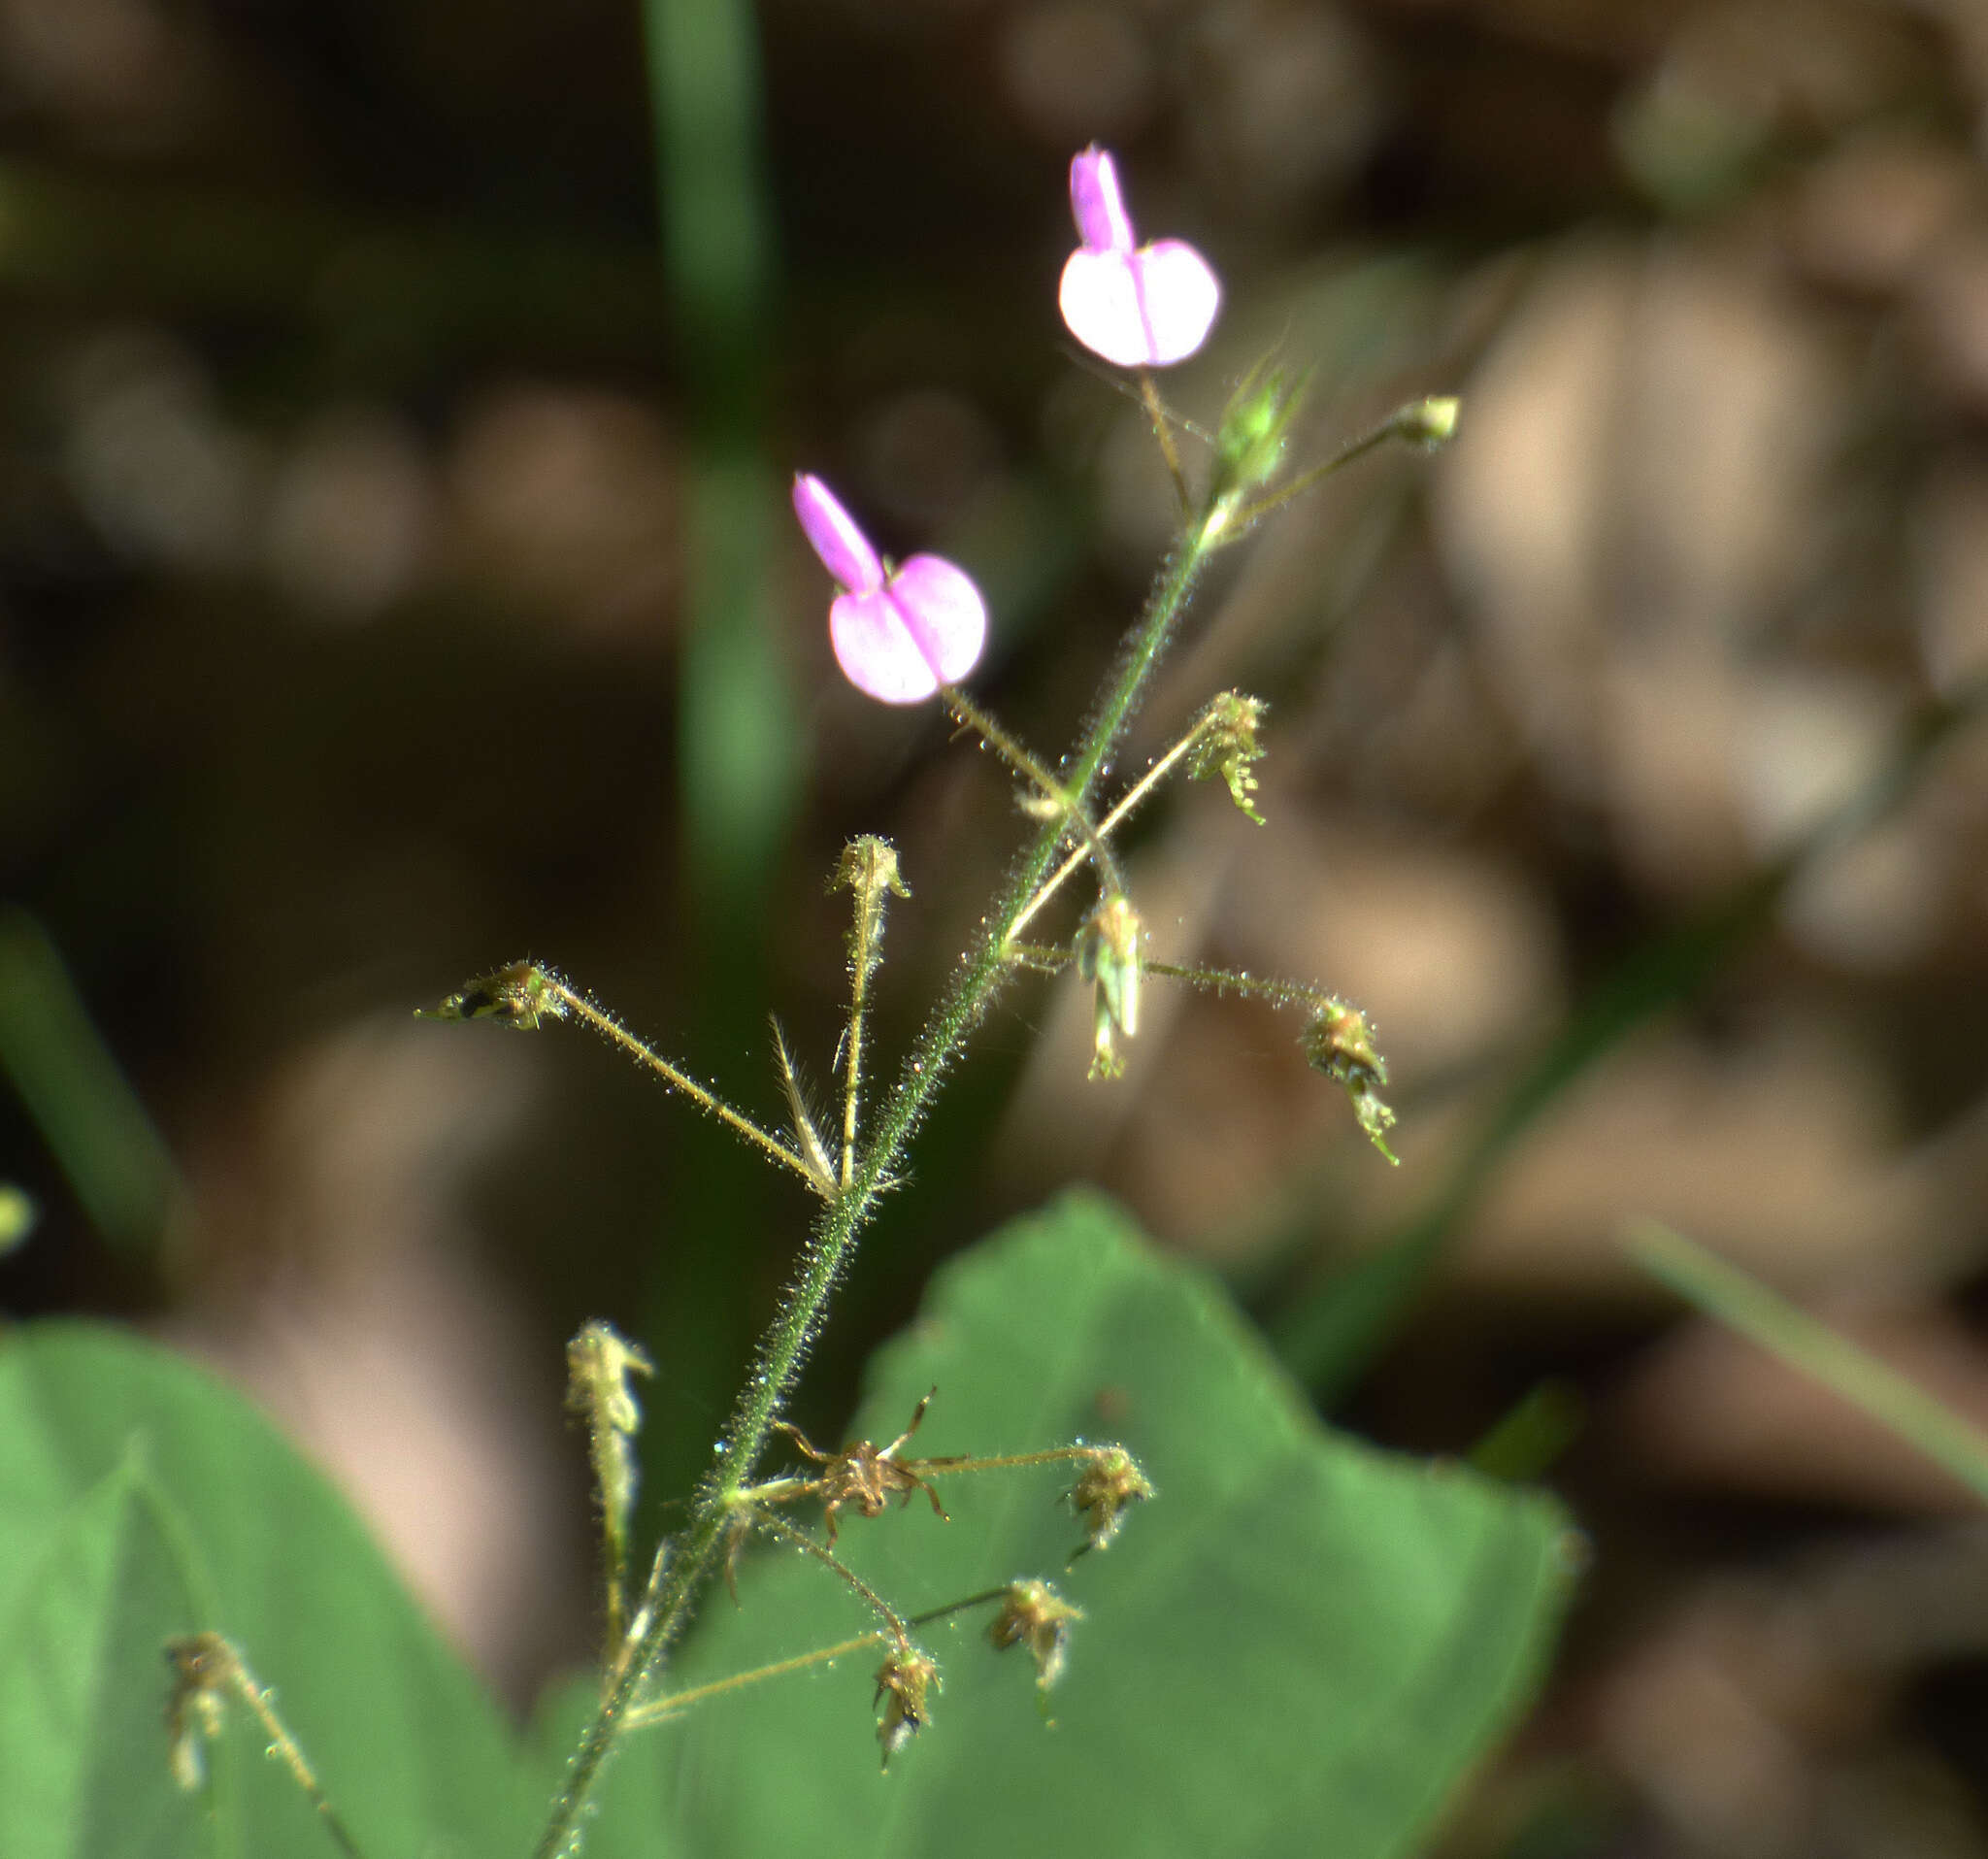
(666, 1609)
(1055, 795)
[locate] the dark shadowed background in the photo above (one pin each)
(396, 580)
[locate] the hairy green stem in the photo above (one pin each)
(666, 1609)
(1053, 792)
(1137, 793)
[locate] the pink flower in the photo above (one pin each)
(899, 633)
(1138, 305)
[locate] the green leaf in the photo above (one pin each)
(1299, 1647)
(80, 1683)
(141, 1500)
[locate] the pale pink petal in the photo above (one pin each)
(1100, 301)
(1097, 202)
(1181, 296)
(876, 650)
(843, 548)
(944, 611)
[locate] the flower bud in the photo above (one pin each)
(1430, 423)
(1108, 957)
(1250, 442)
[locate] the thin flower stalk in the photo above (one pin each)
(1134, 797)
(526, 994)
(1031, 769)
(1430, 422)
(667, 1709)
(773, 1526)
(207, 1668)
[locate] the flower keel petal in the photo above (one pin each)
(1179, 295)
(875, 650)
(943, 613)
(1100, 302)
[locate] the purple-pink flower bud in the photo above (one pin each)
(898, 633)
(1138, 306)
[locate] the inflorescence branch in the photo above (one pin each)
(904, 632)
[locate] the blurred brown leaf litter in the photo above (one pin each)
(348, 522)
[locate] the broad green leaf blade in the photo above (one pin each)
(139, 1500)
(77, 1679)
(1299, 1647)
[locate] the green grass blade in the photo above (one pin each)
(1705, 1281)
(77, 1096)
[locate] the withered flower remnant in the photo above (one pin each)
(904, 1684)
(1110, 1485)
(1339, 1043)
(1035, 1616)
(519, 996)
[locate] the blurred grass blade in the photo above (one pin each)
(1329, 1338)
(740, 746)
(1705, 1281)
(76, 1093)
(741, 753)
(1532, 1434)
